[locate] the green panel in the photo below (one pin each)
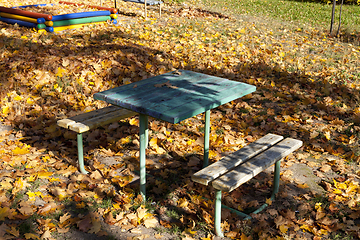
(81, 21)
(41, 26)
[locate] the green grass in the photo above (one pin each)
(314, 14)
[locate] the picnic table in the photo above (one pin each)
(174, 97)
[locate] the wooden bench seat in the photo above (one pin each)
(239, 167)
(91, 120)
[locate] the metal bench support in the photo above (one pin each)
(81, 153)
(218, 204)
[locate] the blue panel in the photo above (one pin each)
(35, 5)
(80, 15)
(19, 22)
(148, 2)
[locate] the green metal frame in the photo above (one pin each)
(80, 147)
(218, 204)
(206, 138)
(144, 136)
(143, 125)
(81, 153)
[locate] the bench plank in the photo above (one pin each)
(227, 163)
(254, 166)
(90, 120)
(88, 115)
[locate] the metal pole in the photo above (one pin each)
(81, 153)
(218, 231)
(206, 138)
(145, 9)
(276, 179)
(275, 187)
(143, 125)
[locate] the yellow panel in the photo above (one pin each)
(62, 28)
(18, 17)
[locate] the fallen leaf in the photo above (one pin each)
(325, 168)
(31, 236)
(151, 222)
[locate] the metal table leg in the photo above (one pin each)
(143, 125)
(206, 138)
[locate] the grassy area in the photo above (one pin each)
(304, 12)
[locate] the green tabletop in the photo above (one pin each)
(176, 96)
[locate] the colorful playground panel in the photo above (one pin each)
(55, 23)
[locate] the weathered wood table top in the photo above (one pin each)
(175, 96)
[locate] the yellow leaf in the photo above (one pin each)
(29, 101)
(14, 231)
(31, 196)
(17, 98)
(283, 228)
(125, 140)
(192, 232)
(6, 184)
(44, 174)
(244, 237)
(31, 236)
(19, 184)
(153, 142)
(134, 121)
(183, 202)
(60, 72)
(304, 185)
(268, 201)
(80, 205)
(322, 232)
(342, 186)
(209, 237)
(4, 212)
(318, 206)
(31, 178)
(54, 179)
(148, 66)
(5, 110)
(337, 191)
(327, 134)
(21, 151)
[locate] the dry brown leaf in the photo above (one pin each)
(325, 168)
(193, 161)
(280, 220)
(26, 210)
(158, 236)
(319, 174)
(151, 222)
(46, 235)
(312, 164)
(273, 212)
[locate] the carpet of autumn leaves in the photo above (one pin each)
(307, 88)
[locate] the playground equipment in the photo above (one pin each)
(55, 23)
